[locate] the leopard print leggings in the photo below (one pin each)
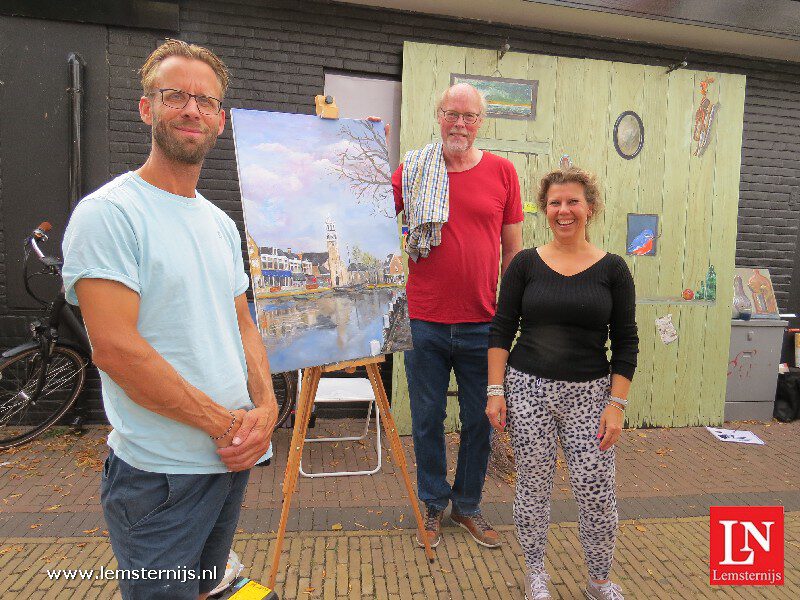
(538, 411)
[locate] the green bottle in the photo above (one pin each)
(711, 284)
(701, 291)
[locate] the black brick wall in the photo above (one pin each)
(278, 52)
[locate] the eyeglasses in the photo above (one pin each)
(452, 116)
(207, 105)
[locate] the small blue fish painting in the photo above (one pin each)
(642, 235)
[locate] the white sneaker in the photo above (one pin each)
(536, 586)
(606, 591)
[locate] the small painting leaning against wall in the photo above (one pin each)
(753, 293)
(325, 260)
(505, 98)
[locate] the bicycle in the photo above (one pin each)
(42, 379)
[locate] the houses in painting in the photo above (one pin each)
(278, 270)
(393, 269)
(283, 268)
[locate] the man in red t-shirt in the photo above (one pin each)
(451, 300)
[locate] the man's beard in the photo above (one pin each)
(458, 144)
(182, 152)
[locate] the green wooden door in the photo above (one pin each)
(695, 197)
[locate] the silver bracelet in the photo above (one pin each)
(620, 401)
(495, 390)
(228, 430)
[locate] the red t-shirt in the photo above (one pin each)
(457, 282)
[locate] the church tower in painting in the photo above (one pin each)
(335, 266)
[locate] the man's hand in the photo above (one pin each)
(610, 426)
(252, 438)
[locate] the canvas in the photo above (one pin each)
(642, 237)
(753, 294)
(325, 262)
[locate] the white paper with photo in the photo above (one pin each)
(666, 329)
(735, 435)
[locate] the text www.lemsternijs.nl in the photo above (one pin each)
(103, 574)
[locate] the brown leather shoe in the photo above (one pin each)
(433, 526)
(479, 528)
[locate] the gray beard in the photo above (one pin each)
(181, 153)
(457, 147)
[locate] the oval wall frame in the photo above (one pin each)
(628, 135)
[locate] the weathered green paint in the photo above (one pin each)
(696, 199)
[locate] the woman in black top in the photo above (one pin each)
(566, 299)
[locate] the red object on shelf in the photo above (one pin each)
(688, 294)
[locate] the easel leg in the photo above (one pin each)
(373, 370)
(303, 413)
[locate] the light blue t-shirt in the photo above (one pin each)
(183, 257)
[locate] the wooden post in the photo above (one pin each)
(305, 402)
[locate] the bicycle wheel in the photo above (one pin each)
(288, 399)
(23, 418)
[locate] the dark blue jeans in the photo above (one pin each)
(179, 525)
(438, 348)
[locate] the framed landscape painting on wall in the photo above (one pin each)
(505, 98)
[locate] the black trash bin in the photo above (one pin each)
(787, 396)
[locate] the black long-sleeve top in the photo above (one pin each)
(565, 322)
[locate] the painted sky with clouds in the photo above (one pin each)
(288, 187)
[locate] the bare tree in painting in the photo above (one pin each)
(364, 165)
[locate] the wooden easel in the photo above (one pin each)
(305, 402)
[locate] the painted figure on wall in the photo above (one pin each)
(704, 118)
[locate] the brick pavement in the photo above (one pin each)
(667, 478)
(50, 488)
(656, 558)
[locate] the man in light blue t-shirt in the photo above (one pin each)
(157, 271)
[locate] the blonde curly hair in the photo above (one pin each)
(587, 180)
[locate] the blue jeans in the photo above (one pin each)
(182, 525)
(438, 348)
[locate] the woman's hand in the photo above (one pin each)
(496, 412)
(610, 426)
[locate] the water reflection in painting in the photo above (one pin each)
(333, 323)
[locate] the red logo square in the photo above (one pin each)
(746, 545)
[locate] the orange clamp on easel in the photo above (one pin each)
(326, 107)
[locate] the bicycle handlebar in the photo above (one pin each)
(40, 234)
(36, 249)
(41, 231)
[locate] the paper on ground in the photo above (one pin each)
(735, 435)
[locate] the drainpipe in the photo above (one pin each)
(76, 66)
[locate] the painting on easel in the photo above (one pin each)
(322, 238)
